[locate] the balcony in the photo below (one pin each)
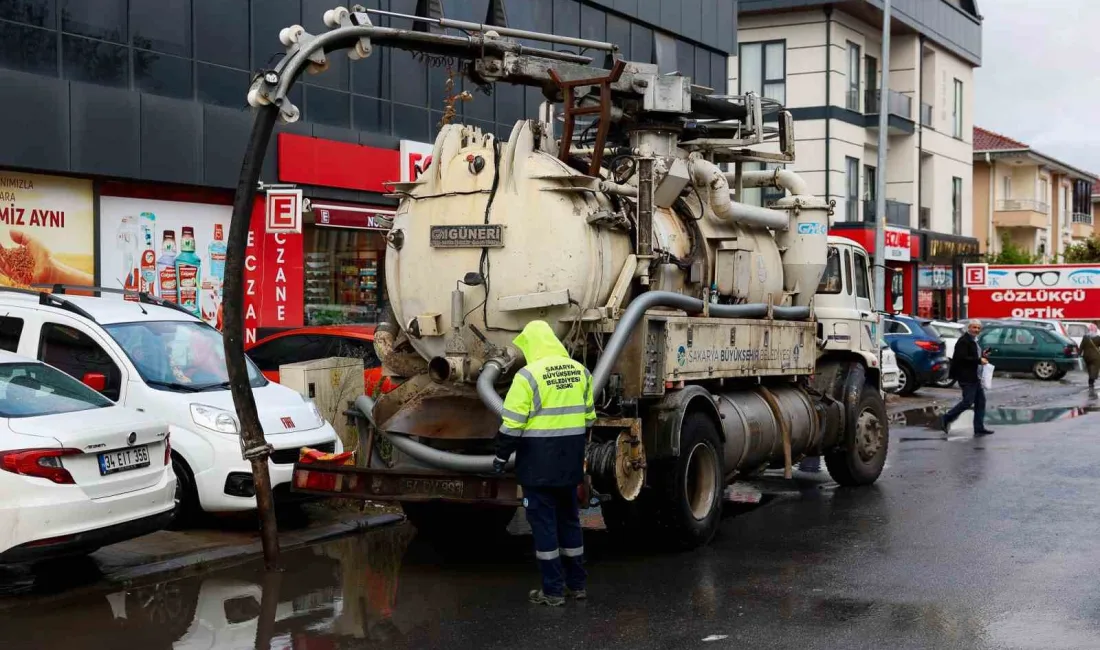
(897, 213)
(1082, 225)
(896, 103)
(1020, 213)
(926, 114)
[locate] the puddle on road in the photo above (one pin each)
(929, 416)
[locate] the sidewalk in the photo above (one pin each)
(168, 554)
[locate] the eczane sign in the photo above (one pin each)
(897, 244)
(1060, 291)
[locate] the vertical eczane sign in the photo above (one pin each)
(274, 280)
(283, 211)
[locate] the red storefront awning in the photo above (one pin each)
(336, 215)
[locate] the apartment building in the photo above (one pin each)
(1038, 203)
(823, 61)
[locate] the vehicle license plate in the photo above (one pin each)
(122, 460)
(432, 487)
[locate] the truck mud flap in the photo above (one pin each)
(404, 485)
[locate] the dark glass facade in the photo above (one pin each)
(204, 52)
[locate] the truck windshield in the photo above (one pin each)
(181, 356)
(33, 389)
(831, 280)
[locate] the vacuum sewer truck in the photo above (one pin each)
(724, 338)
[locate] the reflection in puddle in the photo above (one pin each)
(929, 416)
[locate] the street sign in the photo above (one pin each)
(283, 211)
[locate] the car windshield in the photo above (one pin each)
(33, 389)
(182, 356)
(947, 332)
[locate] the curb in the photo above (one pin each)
(203, 561)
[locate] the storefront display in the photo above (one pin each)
(46, 230)
(130, 230)
(344, 257)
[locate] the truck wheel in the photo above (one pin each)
(433, 518)
(861, 460)
(908, 379)
(689, 488)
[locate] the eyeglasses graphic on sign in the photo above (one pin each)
(1028, 278)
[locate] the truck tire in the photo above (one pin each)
(437, 518)
(688, 489)
(861, 459)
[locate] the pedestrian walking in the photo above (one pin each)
(965, 362)
(546, 417)
(1090, 350)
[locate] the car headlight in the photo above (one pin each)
(315, 411)
(215, 419)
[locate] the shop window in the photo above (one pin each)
(159, 74)
(161, 25)
(102, 19)
(28, 49)
(343, 271)
(10, 331)
(40, 13)
(221, 86)
(76, 354)
(95, 62)
(221, 32)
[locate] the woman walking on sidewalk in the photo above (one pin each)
(1091, 353)
(968, 357)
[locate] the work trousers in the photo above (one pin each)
(559, 544)
(973, 396)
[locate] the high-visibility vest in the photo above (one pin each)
(550, 398)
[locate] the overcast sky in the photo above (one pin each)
(1040, 76)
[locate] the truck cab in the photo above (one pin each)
(848, 323)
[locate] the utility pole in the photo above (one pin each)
(254, 447)
(880, 178)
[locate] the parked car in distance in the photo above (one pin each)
(919, 350)
(78, 471)
(1018, 347)
(891, 374)
(1046, 323)
(1078, 331)
(156, 357)
(949, 332)
(310, 343)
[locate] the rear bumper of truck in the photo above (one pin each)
(419, 485)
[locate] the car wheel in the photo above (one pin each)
(1045, 370)
(187, 497)
(907, 379)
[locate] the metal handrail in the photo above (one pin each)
(1082, 218)
(1015, 205)
(897, 103)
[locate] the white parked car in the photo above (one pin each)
(1078, 331)
(78, 471)
(160, 359)
(891, 373)
(950, 333)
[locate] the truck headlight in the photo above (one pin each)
(215, 419)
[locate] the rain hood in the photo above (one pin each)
(537, 342)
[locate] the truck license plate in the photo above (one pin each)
(122, 460)
(432, 487)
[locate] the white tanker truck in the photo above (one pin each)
(723, 338)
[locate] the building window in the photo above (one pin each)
(1043, 191)
(957, 112)
(852, 102)
(870, 74)
(764, 69)
(1006, 187)
(852, 184)
(956, 205)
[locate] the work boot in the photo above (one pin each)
(537, 597)
(579, 594)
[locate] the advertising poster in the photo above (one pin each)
(46, 230)
(1061, 291)
(170, 249)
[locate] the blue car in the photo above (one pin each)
(919, 349)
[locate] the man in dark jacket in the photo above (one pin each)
(965, 362)
(545, 421)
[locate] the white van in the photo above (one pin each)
(157, 358)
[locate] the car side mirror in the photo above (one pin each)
(97, 381)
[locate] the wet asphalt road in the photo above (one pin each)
(963, 543)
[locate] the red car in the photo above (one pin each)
(309, 343)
